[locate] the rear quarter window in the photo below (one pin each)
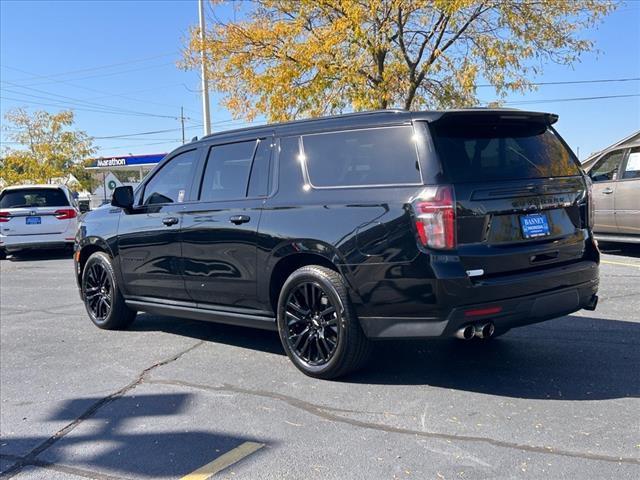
(375, 156)
(33, 197)
(474, 151)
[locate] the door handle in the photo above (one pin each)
(607, 191)
(238, 219)
(168, 221)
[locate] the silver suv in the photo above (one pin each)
(616, 195)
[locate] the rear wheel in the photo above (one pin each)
(317, 326)
(102, 297)
(3, 254)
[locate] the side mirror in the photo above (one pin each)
(123, 197)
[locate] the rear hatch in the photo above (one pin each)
(34, 211)
(519, 192)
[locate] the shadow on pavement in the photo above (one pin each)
(105, 441)
(620, 249)
(261, 340)
(49, 254)
(570, 358)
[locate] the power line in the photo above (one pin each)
(573, 82)
(79, 102)
(574, 99)
(100, 67)
(27, 86)
(72, 107)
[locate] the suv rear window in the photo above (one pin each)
(34, 197)
(375, 156)
(483, 151)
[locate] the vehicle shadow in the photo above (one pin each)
(122, 438)
(49, 254)
(620, 249)
(260, 340)
(570, 358)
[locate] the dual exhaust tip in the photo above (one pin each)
(480, 330)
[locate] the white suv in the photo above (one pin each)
(36, 216)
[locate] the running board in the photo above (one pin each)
(206, 314)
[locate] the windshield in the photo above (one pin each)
(471, 150)
(33, 197)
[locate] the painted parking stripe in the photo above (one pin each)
(223, 461)
(637, 265)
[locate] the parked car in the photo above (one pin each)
(616, 195)
(36, 216)
(340, 230)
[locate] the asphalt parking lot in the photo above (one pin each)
(559, 399)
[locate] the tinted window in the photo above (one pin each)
(34, 197)
(171, 184)
(227, 172)
(472, 151)
(259, 179)
(632, 170)
(378, 156)
(607, 167)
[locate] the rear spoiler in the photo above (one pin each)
(498, 115)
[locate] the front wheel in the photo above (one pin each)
(317, 326)
(102, 297)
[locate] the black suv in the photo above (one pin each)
(336, 231)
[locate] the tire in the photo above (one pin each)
(3, 254)
(334, 341)
(102, 297)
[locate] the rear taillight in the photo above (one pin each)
(435, 217)
(5, 217)
(590, 206)
(65, 213)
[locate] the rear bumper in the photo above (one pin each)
(22, 242)
(557, 292)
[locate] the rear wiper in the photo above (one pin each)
(528, 161)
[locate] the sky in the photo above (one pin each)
(115, 64)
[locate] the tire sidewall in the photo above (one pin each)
(306, 276)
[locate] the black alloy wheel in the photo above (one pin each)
(317, 325)
(312, 324)
(98, 292)
(103, 299)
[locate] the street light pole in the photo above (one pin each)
(203, 68)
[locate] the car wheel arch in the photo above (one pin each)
(288, 264)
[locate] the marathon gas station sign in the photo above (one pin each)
(127, 161)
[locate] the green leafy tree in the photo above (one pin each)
(285, 59)
(48, 147)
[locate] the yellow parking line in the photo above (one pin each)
(223, 461)
(637, 265)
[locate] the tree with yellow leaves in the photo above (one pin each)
(47, 149)
(286, 59)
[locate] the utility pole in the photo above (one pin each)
(182, 122)
(203, 68)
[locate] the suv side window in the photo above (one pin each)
(373, 156)
(227, 171)
(171, 183)
(606, 170)
(632, 169)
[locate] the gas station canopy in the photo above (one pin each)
(143, 163)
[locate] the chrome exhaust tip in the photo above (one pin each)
(466, 333)
(593, 303)
(485, 330)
